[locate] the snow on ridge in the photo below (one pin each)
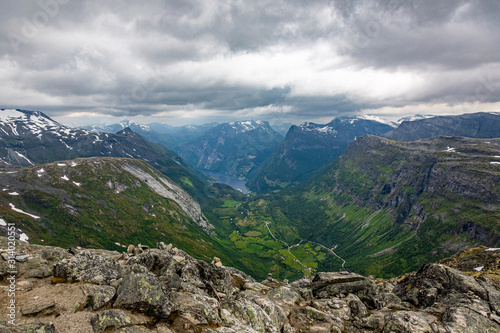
(22, 212)
(378, 119)
(322, 129)
(415, 117)
(11, 114)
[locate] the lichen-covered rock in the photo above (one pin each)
(88, 267)
(143, 292)
(134, 329)
(285, 295)
(29, 328)
(98, 296)
(435, 280)
(109, 319)
(358, 309)
(34, 309)
(333, 284)
(197, 309)
(408, 322)
(466, 320)
(242, 311)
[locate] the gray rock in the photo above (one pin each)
(34, 309)
(331, 284)
(88, 267)
(109, 319)
(98, 296)
(198, 309)
(143, 292)
(285, 294)
(22, 258)
(134, 329)
(29, 328)
(408, 322)
(435, 280)
(462, 319)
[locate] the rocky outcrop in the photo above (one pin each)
(166, 290)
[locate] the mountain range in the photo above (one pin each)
(309, 147)
(234, 148)
(379, 207)
(29, 137)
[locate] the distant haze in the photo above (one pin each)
(193, 61)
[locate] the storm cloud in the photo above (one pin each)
(190, 61)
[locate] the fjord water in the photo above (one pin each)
(236, 183)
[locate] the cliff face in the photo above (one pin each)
(472, 125)
(420, 179)
(388, 207)
(165, 290)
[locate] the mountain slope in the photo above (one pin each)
(472, 125)
(390, 206)
(29, 138)
(99, 202)
(232, 148)
(308, 147)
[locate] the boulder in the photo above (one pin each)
(28, 328)
(98, 296)
(88, 267)
(434, 281)
(197, 309)
(143, 292)
(109, 319)
(408, 322)
(333, 284)
(34, 309)
(462, 319)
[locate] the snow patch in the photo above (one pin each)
(61, 164)
(493, 249)
(13, 193)
(65, 177)
(23, 237)
(450, 150)
(77, 184)
(494, 162)
(2, 222)
(479, 269)
(22, 156)
(70, 148)
(22, 212)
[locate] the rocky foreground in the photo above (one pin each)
(166, 290)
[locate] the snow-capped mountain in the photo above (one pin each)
(310, 146)
(169, 136)
(415, 117)
(30, 137)
(113, 128)
(233, 148)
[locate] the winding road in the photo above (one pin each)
(291, 246)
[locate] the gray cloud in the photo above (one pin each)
(311, 58)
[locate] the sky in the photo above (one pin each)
(196, 61)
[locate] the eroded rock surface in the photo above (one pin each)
(165, 290)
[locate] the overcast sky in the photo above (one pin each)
(194, 61)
